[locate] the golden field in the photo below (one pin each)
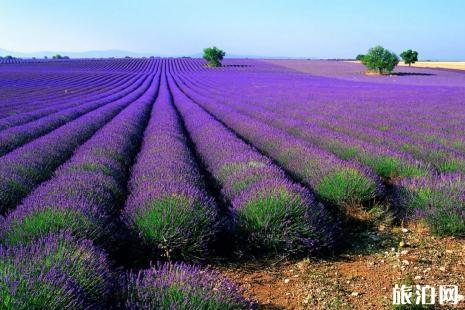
(456, 65)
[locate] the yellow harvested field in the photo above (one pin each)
(458, 65)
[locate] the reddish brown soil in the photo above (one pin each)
(361, 279)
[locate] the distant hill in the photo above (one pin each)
(121, 54)
(199, 55)
(86, 54)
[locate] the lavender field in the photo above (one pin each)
(120, 178)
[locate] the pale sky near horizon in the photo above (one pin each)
(274, 28)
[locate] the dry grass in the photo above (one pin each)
(456, 65)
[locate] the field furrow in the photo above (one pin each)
(85, 193)
(25, 167)
(333, 180)
(384, 161)
(270, 213)
(168, 208)
(53, 107)
(14, 137)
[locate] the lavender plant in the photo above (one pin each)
(54, 272)
(440, 200)
(181, 286)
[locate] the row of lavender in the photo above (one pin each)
(404, 140)
(48, 91)
(14, 134)
(357, 106)
(62, 81)
(53, 253)
(334, 181)
(56, 246)
(17, 186)
(171, 215)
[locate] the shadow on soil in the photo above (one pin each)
(239, 66)
(366, 232)
(411, 74)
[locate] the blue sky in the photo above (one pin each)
(293, 28)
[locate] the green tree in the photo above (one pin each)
(409, 57)
(380, 59)
(359, 57)
(214, 56)
(58, 56)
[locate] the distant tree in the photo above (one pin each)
(9, 57)
(58, 56)
(359, 57)
(409, 57)
(45, 57)
(214, 56)
(380, 59)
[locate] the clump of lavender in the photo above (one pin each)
(275, 216)
(271, 214)
(55, 272)
(182, 286)
(169, 208)
(439, 199)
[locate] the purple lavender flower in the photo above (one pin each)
(54, 272)
(181, 286)
(440, 200)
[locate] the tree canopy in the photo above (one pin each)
(58, 56)
(409, 57)
(380, 60)
(214, 56)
